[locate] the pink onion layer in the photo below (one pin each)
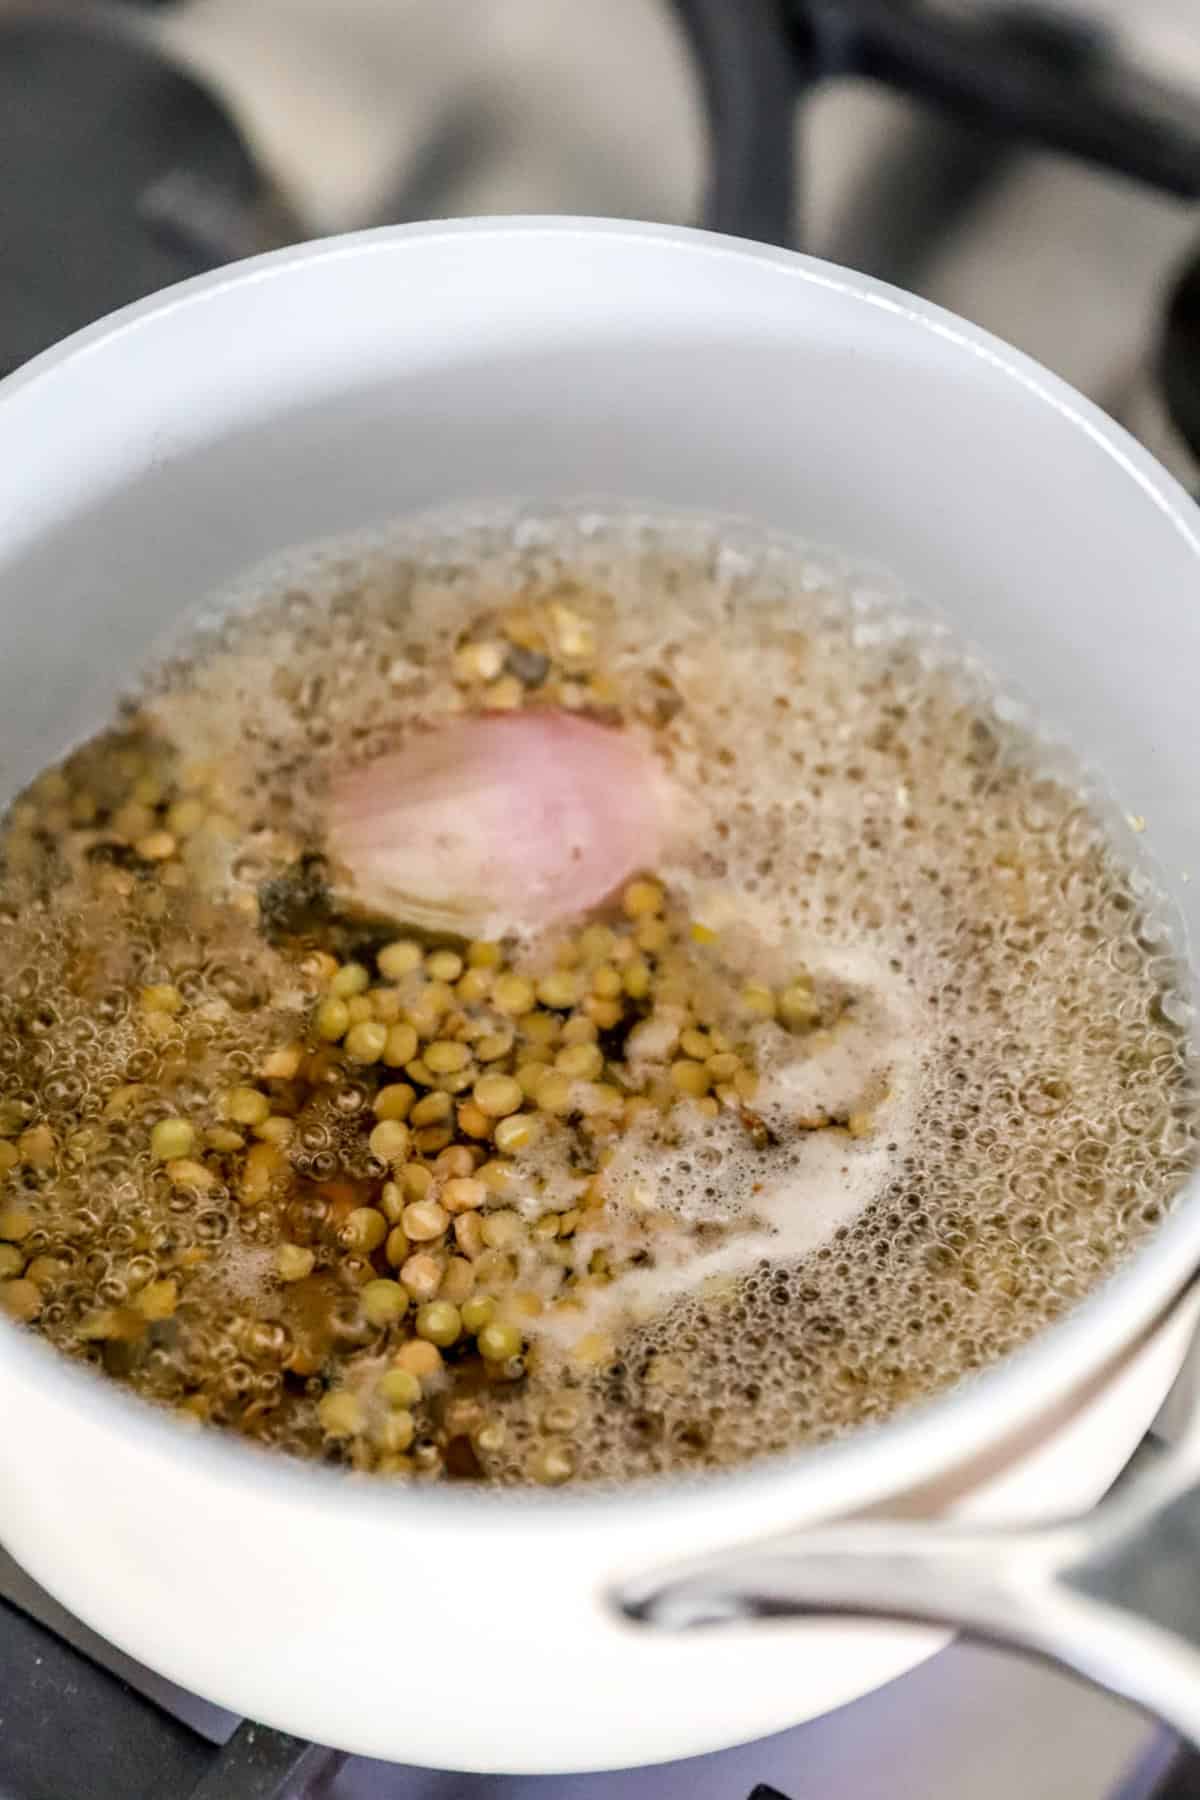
(508, 821)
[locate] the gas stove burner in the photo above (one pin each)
(1179, 357)
(132, 175)
(122, 175)
(1019, 72)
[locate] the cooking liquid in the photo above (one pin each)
(994, 1101)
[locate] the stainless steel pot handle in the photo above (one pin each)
(1113, 1595)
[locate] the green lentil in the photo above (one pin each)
(171, 1139)
(444, 1057)
(400, 1045)
(363, 1229)
(499, 1342)
(293, 1262)
(246, 1106)
(477, 1312)
(439, 1323)
(389, 1141)
(399, 1388)
(332, 1020)
(497, 1095)
(383, 1302)
(580, 1062)
(350, 979)
(444, 965)
(399, 959)
(365, 1043)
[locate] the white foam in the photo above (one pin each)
(871, 809)
(798, 1196)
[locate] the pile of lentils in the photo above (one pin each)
(410, 1188)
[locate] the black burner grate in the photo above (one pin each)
(1179, 357)
(79, 1721)
(69, 1728)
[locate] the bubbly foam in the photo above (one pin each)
(1000, 1108)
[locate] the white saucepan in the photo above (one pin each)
(144, 464)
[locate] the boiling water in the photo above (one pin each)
(995, 1105)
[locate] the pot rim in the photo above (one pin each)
(908, 1448)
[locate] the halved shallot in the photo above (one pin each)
(501, 822)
